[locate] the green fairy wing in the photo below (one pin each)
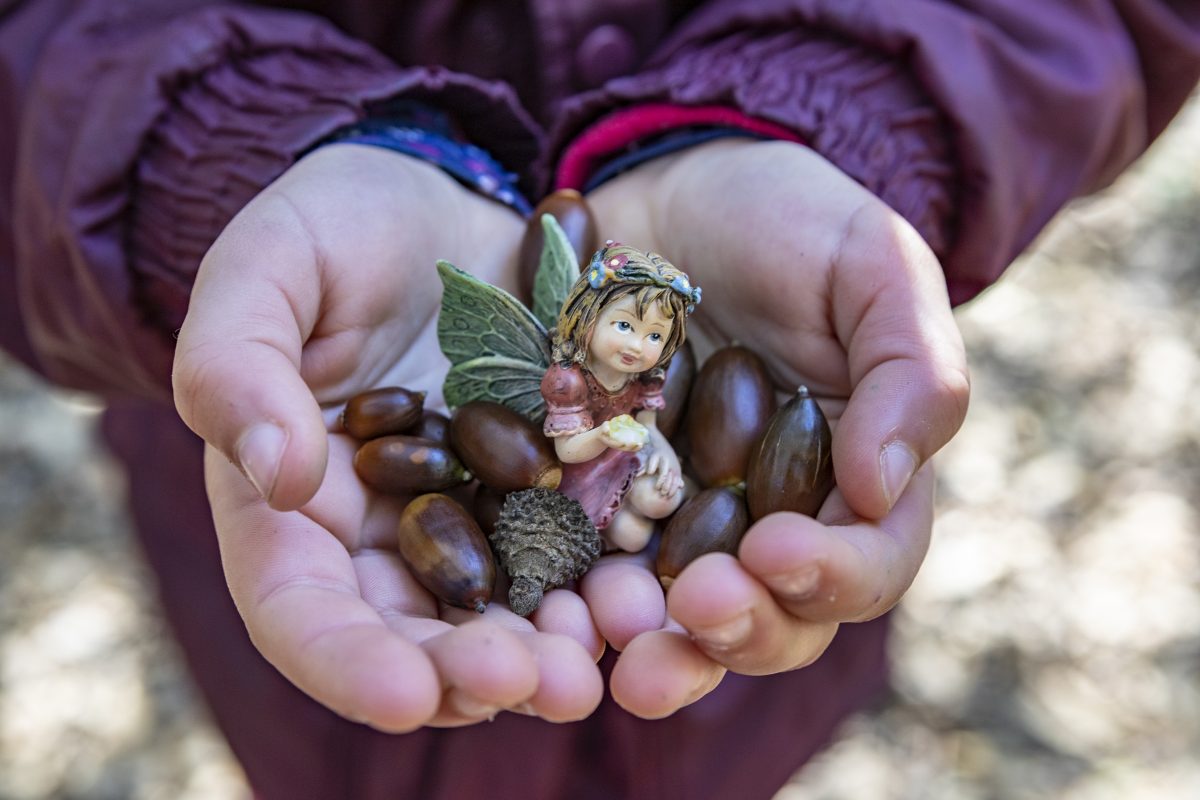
(557, 271)
(498, 349)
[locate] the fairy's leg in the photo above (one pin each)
(633, 525)
(645, 498)
(629, 530)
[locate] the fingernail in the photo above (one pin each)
(728, 634)
(468, 706)
(259, 452)
(795, 586)
(525, 708)
(896, 466)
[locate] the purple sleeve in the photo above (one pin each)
(974, 120)
(142, 128)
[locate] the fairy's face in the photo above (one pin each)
(624, 343)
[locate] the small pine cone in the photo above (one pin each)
(543, 539)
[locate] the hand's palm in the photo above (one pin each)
(836, 292)
(326, 285)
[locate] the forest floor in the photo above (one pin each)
(1049, 649)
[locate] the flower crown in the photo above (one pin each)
(605, 268)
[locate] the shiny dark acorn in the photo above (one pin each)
(408, 465)
(713, 521)
(677, 385)
(574, 216)
(433, 426)
(446, 551)
(487, 505)
(382, 412)
(731, 403)
(792, 468)
(504, 449)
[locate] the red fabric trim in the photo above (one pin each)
(621, 129)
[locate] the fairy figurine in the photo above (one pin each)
(619, 326)
(594, 383)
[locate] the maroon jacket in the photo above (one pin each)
(134, 130)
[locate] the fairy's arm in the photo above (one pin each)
(582, 446)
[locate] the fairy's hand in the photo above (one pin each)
(837, 293)
(619, 437)
(323, 287)
(663, 463)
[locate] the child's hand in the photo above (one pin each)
(837, 292)
(322, 287)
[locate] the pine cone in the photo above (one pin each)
(543, 539)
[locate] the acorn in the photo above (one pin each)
(446, 551)
(677, 384)
(792, 468)
(406, 464)
(381, 412)
(505, 450)
(543, 539)
(731, 404)
(574, 216)
(487, 505)
(713, 521)
(433, 426)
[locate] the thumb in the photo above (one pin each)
(236, 377)
(907, 364)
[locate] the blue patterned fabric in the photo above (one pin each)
(426, 133)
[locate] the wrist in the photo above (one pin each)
(430, 135)
(630, 137)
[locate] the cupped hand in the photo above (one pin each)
(837, 293)
(322, 287)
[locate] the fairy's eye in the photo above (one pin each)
(623, 326)
(656, 337)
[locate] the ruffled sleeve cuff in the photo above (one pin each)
(565, 391)
(652, 392)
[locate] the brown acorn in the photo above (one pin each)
(433, 426)
(677, 384)
(447, 552)
(487, 505)
(713, 521)
(792, 468)
(382, 412)
(504, 449)
(573, 214)
(731, 404)
(406, 464)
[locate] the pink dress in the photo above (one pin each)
(576, 402)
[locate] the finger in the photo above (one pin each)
(660, 672)
(842, 572)
(736, 622)
(624, 596)
(296, 590)
(236, 376)
(566, 613)
(569, 687)
(907, 364)
(484, 669)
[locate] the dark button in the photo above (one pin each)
(605, 53)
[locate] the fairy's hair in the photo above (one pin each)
(617, 271)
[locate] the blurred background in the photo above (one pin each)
(1050, 647)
